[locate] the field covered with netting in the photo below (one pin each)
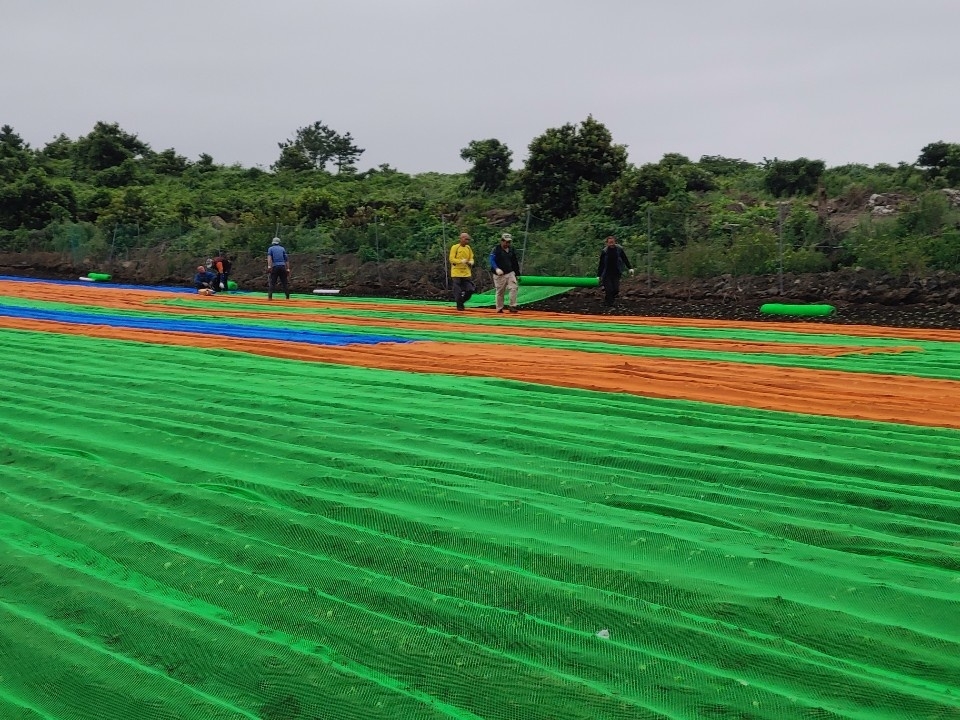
(342, 508)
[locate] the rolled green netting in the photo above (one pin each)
(99, 277)
(525, 294)
(797, 310)
(231, 285)
(559, 281)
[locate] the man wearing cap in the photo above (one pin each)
(278, 268)
(613, 263)
(461, 270)
(506, 270)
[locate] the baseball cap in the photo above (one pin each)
(506, 236)
(276, 241)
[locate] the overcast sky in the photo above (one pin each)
(414, 81)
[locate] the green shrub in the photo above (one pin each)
(802, 227)
(877, 245)
(928, 216)
(804, 260)
(752, 253)
(696, 260)
(943, 250)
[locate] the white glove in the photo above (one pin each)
(470, 263)
(631, 271)
(498, 271)
(463, 262)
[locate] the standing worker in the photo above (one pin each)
(461, 270)
(613, 263)
(278, 268)
(506, 271)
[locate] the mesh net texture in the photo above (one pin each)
(199, 533)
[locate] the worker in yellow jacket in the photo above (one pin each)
(461, 270)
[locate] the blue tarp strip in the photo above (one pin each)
(199, 327)
(119, 286)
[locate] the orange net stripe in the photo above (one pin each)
(865, 396)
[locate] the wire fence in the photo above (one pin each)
(662, 242)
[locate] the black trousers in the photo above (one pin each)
(278, 272)
(462, 288)
(611, 288)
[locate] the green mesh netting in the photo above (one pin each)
(797, 310)
(191, 534)
(525, 294)
(563, 282)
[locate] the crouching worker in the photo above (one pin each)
(221, 266)
(205, 281)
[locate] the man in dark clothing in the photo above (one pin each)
(613, 263)
(278, 268)
(221, 266)
(506, 272)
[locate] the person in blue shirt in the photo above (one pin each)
(278, 268)
(204, 279)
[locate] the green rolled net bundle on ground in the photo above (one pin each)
(797, 310)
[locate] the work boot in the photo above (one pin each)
(514, 309)
(460, 306)
(500, 310)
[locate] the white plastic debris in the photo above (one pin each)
(605, 634)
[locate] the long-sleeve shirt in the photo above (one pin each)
(506, 260)
(203, 279)
(612, 260)
(458, 254)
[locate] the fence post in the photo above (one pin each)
(443, 251)
(376, 235)
(649, 247)
(526, 232)
(113, 243)
(780, 208)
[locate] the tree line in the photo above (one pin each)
(708, 216)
